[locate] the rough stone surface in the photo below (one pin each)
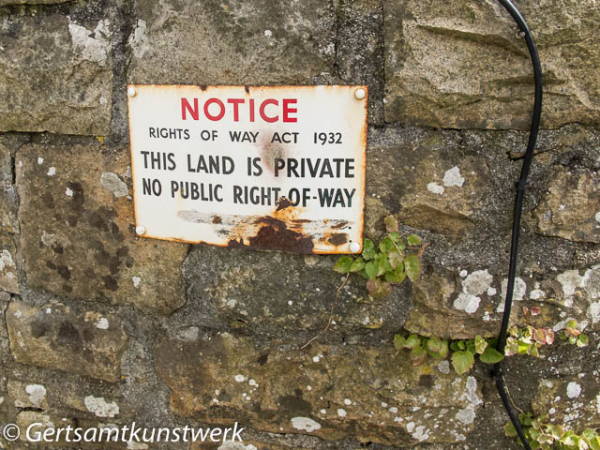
(244, 288)
(101, 328)
(31, 2)
(55, 75)
(78, 237)
(339, 390)
(573, 402)
(258, 43)
(462, 64)
(570, 209)
(8, 268)
(56, 338)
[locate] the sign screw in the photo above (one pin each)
(131, 91)
(140, 229)
(354, 247)
(360, 94)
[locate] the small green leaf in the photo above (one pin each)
(412, 265)
(480, 344)
(399, 341)
(462, 362)
(371, 269)
(491, 356)
(368, 250)
(396, 259)
(357, 265)
(582, 340)
(412, 341)
(510, 430)
(378, 288)
(397, 276)
(384, 266)
(391, 224)
(437, 348)
(395, 237)
(418, 354)
(413, 240)
(343, 264)
(386, 245)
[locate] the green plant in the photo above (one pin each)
(462, 352)
(528, 340)
(572, 334)
(395, 258)
(546, 436)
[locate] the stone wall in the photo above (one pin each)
(98, 326)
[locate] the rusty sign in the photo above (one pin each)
(274, 168)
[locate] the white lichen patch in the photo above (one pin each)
(341, 412)
(102, 324)
(573, 390)
(452, 177)
(519, 292)
(136, 282)
(131, 445)
(51, 171)
(138, 41)
(597, 217)
(593, 312)
(240, 378)
(473, 285)
(570, 282)
(435, 188)
(444, 366)
(467, 303)
(467, 415)
(40, 160)
(69, 192)
(113, 184)
(91, 45)
(268, 33)
(305, 424)
(6, 260)
(100, 407)
(37, 395)
(421, 434)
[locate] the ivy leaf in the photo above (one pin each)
(371, 269)
(412, 265)
(343, 264)
(378, 288)
(480, 344)
(491, 356)
(357, 265)
(399, 341)
(391, 224)
(413, 240)
(462, 362)
(369, 251)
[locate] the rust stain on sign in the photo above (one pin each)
(269, 168)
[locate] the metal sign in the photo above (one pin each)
(274, 168)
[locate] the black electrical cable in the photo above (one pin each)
(535, 125)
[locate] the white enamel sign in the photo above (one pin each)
(274, 168)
